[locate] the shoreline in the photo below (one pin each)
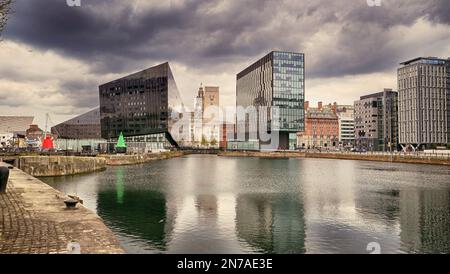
(387, 158)
(48, 227)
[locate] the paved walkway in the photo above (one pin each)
(33, 219)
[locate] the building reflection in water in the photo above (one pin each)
(425, 221)
(271, 223)
(205, 216)
(226, 205)
(142, 213)
(120, 188)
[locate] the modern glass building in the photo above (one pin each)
(85, 126)
(146, 106)
(274, 87)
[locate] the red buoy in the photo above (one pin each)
(47, 143)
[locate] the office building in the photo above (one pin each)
(424, 103)
(81, 133)
(146, 106)
(346, 117)
(85, 126)
(376, 121)
(269, 100)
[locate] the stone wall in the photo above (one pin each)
(48, 166)
(263, 154)
(122, 160)
(34, 219)
(393, 158)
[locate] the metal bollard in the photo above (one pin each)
(4, 175)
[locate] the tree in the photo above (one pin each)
(204, 142)
(213, 142)
(5, 10)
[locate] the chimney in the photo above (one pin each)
(306, 105)
(320, 105)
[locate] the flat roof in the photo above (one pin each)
(259, 62)
(423, 58)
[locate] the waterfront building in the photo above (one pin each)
(424, 102)
(80, 133)
(207, 117)
(34, 136)
(269, 99)
(146, 106)
(85, 126)
(13, 130)
(346, 119)
(226, 134)
(321, 128)
(6, 140)
(376, 121)
(15, 124)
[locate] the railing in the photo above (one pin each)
(437, 155)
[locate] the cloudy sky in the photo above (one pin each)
(53, 57)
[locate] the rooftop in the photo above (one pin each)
(433, 60)
(324, 113)
(11, 124)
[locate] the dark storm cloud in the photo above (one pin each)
(115, 36)
(83, 93)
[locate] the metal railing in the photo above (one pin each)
(417, 154)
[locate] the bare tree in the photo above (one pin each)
(5, 9)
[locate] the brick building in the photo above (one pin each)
(321, 128)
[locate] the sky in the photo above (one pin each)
(53, 57)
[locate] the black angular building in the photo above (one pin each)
(144, 106)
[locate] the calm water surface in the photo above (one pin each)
(209, 204)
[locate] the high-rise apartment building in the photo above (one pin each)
(424, 102)
(274, 87)
(376, 121)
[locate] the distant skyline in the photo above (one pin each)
(54, 57)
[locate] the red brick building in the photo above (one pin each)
(321, 128)
(226, 133)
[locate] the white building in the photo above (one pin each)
(206, 117)
(346, 128)
(6, 139)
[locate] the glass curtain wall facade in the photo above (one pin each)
(142, 104)
(85, 126)
(275, 87)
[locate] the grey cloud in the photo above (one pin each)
(112, 36)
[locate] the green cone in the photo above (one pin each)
(121, 142)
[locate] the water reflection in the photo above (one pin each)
(120, 185)
(208, 204)
(140, 213)
(271, 223)
(425, 221)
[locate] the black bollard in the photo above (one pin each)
(4, 175)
